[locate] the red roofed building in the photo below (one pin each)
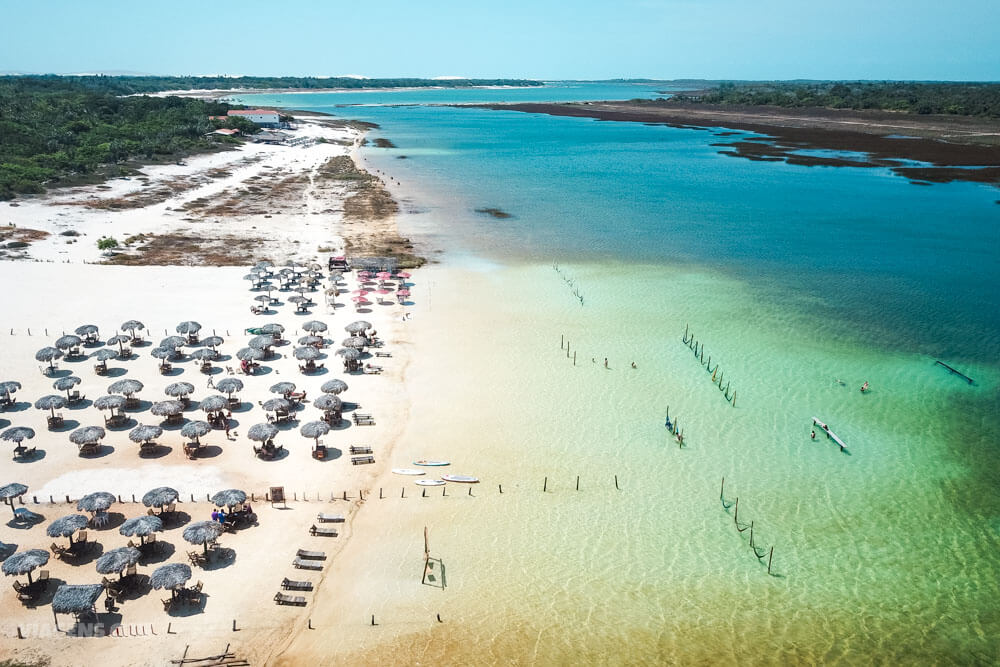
(262, 117)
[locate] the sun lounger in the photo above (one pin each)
(323, 517)
(298, 600)
(311, 555)
(361, 449)
(307, 564)
(292, 585)
(320, 531)
(361, 460)
(383, 354)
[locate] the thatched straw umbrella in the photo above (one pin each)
(212, 341)
(204, 354)
(171, 576)
(203, 532)
(357, 342)
(262, 432)
(263, 298)
(195, 430)
(51, 402)
(229, 498)
(357, 327)
(275, 404)
(314, 326)
(99, 501)
(105, 354)
(88, 331)
(282, 388)
(145, 433)
(335, 386)
(297, 299)
(273, 328)
(76, 599)
(188, 327)
(311, 340)
(261, 342)
(16, 434)
(162, 353)
(308, 353)
(328, 402)
(160, 496)
(68, 341)
(349, 353)
(49, 354)
(172, 342)
(86, 435)
(132, 326)
(8, 387)
(66, 526)
(249, 354)
(229, 385)
(10, 491)
(167, 408)
(315, 430)
(179, 389)
(141, 526)
(213, 403)
(119, 340)
(25, 562)
(66, 383)
(110, 402)
(116, 560)
(126, 386)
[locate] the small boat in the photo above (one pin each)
(425, 462)
(407, 471)
(430, 482)
(460, 478)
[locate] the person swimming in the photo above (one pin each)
(864, 387)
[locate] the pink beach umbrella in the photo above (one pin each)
(364, 274)
(360, 292)
(402, 274)
(359, 299)
(403, 292)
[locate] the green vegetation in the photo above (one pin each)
(961, 99)
(107, 243)
(54, 131)
(130, 85)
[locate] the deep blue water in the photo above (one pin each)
(907, 266)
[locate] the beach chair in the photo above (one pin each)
(297, 600)
(81, 538)
(292, 585)
(323, 517)
(57, 550)
(311, 555)
(43, 578)
(307, 564)
(130, 571)
(24, 593)
(320, 531)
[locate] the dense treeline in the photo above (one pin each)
(128, 85)
(963, 99)
(54, 130)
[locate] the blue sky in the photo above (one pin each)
(586, 39)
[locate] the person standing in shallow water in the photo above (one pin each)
(605, 362)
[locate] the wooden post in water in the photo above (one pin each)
(616, 483)
(734, 398)
(751, 536)
(736, 513)
(545, 485)
(562, 341)
(769, 560)
(723, 489)
(577, 482)
(574, 357)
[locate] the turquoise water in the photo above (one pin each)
(793, 278)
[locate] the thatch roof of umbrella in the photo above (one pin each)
(51, 402)
(310, 340)
(172, 342)
(282, 388)
(204, 353)
(349, 353)
(145, 433)
(86, 330)
(99, 501)
(161, 353)
(110, 402)
(297, 299)
(261, 342)
(25, 561)
(307, 353)
(263, 298)
(335, 386)
(141, 526)
(12, 490)
(9, 386)
(262, 432)
(68, 341)
(327, 402)
(132, 325)
(229, 497)
(48, 354)
(313, 326)
(357, 342)
(178, 389)
(249, 354)
(66, 383)
(76, 599)
(188, 327)
(160, 496)
(86, 435)
(273, 328)
(195, 429)
(331, 291)
(212, 341)
(116, 560)
(166, 408)
(279, 403)
(229, 385)
(67, 525)
(357, 327)
(202, 531)
(213, 403)
(126, 386)
(105, 354)
(315, 429)
(118, 339)
(263, 264)
(19, 433)
(170, 576)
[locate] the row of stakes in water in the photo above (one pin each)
(759, 553)
(569, 281)
(699, 353)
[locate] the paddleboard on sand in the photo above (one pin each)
(407, 471)
(425, 462)
(430, 482)
(460, 478)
